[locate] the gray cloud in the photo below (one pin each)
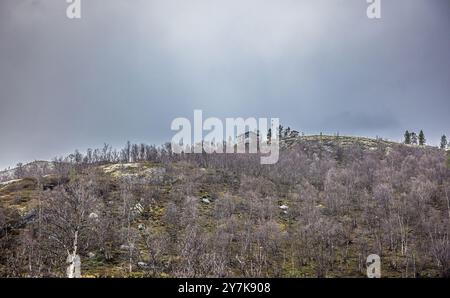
(127, 68)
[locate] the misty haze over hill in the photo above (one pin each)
(127, 68)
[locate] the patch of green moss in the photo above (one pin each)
(157, 212)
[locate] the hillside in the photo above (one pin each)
(36, 166)
(319, 212)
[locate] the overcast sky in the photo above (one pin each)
(127, 68)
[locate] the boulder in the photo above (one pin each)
(93, 215)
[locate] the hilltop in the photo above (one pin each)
(35, 166)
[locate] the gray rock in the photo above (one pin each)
(126, 247)
(138, 209)
(93, 215)
(284, 207)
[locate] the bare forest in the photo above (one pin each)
(144, 212)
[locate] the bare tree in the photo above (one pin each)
(68, 220)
